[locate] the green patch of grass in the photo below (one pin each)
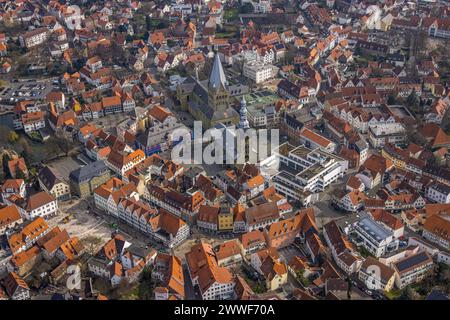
(364, 252)
(393, 294)
(132, 294)
(223, 35)
(36, 136)
(231, 14)
(259, 288)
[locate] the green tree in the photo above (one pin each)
(408, 293)
(20, 175)
(13, 137)
(349, 288)
(146, 284)
(415, 136)
(358, 51)
(2, 175)
(5, 160)
(33, 172)
(63, 144)
(27, 152)
(3, 133)
(392, 99)
(259, 288)
(148, 22)
(301, 277)
(53, 148)
(443, 276)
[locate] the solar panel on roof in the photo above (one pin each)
(411, 261)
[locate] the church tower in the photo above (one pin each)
(218, 96)
(243, 122)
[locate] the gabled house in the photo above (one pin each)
(16, 287)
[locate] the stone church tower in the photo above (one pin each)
(218, 95)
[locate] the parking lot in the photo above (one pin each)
(110, 122)
(30, 90)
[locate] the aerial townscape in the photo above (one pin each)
(351, 203)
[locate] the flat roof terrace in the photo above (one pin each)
(311, 172)
(284, 149)
(301, 151)
(261, 99)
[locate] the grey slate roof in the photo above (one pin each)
(49, 177)
(217, 78)
(89, 171)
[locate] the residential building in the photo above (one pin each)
(374, 236)
(168, 271)
(9, 218)
(381, 134)
(30, 121)
(51, 181)
(121, 162)
(228, 253)
(261, 216)
(267, 262)
(41, 204)
(275, 272)
(437, 230)
(184, 205)
(17, 167)
(376, 276)
(70, 250)
(284, 232)
(28, 236)
(108, 196)
(207, 218)
(341, 249)
(439, 28)
(412, 269)
(313, 140)
(259, 72)
(23, 262)
(115, 248)
(13, 186)
(119, 260)
(252, 242)
(16, 287)
(225, 219)
(163, 227)
(352, 201)
(438, 192)
(84, 180)
(214, 282)
(34, 37)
